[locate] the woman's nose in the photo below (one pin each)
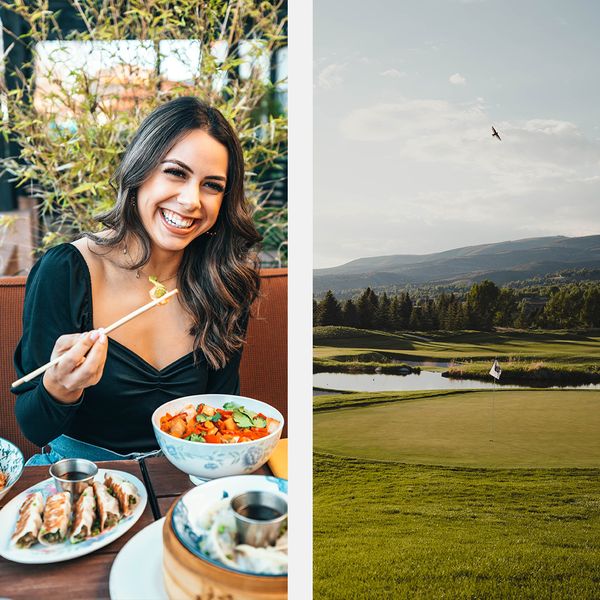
(189, 198)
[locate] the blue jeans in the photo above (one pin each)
(68, 447)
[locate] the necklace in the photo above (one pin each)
(141, 271)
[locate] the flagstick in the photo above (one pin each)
(107, 330)
(493, 402)
(493, 407)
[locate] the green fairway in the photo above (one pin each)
(497, 429)
(385, 530)
(344, 343)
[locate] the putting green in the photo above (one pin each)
(498, 429)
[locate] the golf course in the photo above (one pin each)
(462, 493)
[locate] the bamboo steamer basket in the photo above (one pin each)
(188, 577)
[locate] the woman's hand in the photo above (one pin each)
(81, 365)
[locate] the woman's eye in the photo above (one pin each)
(176, 172)
(215, 186)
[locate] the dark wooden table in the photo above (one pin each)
(87, 576)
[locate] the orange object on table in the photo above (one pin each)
(278, 463)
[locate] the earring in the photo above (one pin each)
(210, 233)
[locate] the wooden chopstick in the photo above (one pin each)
(107, 330)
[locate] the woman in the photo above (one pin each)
(180, 216)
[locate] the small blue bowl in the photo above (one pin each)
(11, 464)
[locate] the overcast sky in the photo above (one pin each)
(406, 93)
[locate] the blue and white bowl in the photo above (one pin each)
(210, 461)
(11, 464)
(190, 508)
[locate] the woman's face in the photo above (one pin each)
(181, 199)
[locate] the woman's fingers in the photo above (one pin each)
(82, 365)
(82, 358)
(96, 358)
(65, 342)
(72, 358)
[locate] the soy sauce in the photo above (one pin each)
(259, 513)
(75, 475)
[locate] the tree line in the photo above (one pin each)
(483, 307)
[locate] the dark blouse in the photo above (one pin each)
(115, 413)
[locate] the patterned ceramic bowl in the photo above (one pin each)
(209, 461)
(11, 464)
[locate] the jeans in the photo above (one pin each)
(68, 447)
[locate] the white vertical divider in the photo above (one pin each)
(300, 198)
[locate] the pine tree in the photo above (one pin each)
(367, 307)
(383, 313)
(350, 314)
(330, 312)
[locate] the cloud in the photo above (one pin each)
(331, 76)
(457, 79)
(459, 134)
(393, 73)
(421, 175)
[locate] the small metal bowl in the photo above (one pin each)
(259, 517)
(73, 475)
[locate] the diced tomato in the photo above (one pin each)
(229, 424)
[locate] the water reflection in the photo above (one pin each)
(426, 380)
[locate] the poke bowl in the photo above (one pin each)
(11, 466)
(222, 441)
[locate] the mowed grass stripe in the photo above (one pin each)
(493, 429)
(406, 531)
(558, 346)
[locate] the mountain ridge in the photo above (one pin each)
(511, 260)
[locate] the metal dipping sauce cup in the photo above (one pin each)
(259, 517)
(86, 469)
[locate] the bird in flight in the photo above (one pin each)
(495, 133)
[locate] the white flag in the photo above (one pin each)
(495, 371)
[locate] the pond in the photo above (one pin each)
(425, 380)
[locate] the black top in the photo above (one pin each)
(115, 413)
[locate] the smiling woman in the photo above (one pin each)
(181, 218)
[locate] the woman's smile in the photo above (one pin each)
(176, 223)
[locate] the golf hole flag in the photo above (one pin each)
(495, 371)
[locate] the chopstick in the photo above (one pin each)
(151, 495)
(107, 330)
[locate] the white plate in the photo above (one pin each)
(39, 554)
(128, 581)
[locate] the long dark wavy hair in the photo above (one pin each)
(218, 278)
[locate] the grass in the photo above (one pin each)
(399, 514)
(346, 365)
(555, 346)
(386, 530)
(479, 428)
(516, 371)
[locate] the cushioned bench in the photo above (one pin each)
(263, 371)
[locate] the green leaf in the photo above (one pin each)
(201, 418)
(242, 419)
(195, 437)
(230, 406)
(259, 422)
(248, 412)
(84, 187)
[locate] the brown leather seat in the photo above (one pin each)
(263, 370)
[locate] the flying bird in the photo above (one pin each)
(495, 133)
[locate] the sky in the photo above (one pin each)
(405, 95)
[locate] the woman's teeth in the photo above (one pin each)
(174, 219)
